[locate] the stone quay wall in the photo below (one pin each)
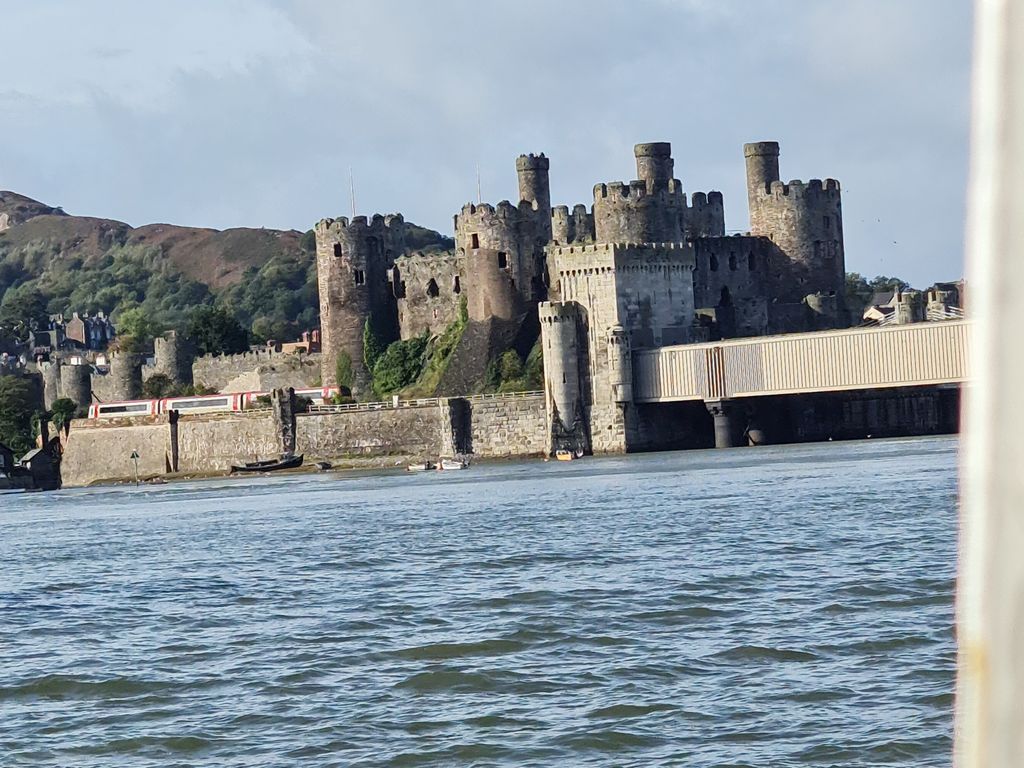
(495, 426)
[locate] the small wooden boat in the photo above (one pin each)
(564, 455)
(420, 466)
(453, 464)
(269, 465)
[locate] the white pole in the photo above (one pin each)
(990, 599)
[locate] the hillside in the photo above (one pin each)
(266, 277)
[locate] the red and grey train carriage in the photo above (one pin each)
(221, 403)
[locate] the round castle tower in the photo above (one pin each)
(125, 382)
(174, 356)
(76, 384)
(353, 259)
(559, 327)
(803, 220)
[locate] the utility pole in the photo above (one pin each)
(352, 189)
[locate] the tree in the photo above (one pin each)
(373, 346)
(63, 411)
(137, 323)
(17, 407)
(159, 386)
(23, 309)
(399, 366)
(216, 331)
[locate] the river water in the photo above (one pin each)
(786, 606)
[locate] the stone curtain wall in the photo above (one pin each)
(258, 370)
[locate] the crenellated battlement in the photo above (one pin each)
(532, 162)
(701, 200)
(637, 190)
(361, 225)
(800, 190)
(552, 312)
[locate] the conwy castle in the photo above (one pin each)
(658, 331)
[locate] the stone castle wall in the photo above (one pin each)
(259, 370)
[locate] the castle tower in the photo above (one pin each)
(76, 384)
(353, 259)
(174, 357)
(560, 341)
(654, 164)
(803, 220)
(515, 235)
(51, 382)
(125, 377)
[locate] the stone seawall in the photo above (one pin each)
(503, 426)
(101, 450)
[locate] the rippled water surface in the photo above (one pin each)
(766, 607)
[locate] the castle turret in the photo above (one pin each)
(804, 220)
(124, 379)
(513, 234)
(654, 164)
(762, 169)
(353, 260)
(534, 184)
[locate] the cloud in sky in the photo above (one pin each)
(252, 112)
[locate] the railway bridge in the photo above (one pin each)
(720, 373)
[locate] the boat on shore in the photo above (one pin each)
(269, 465)
(452, 464)
(566, 455)
(420, 466)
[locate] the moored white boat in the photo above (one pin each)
(453, 464)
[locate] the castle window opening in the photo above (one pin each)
(750, 261)
(432, 290)
(714, 263)
(435, 314)
(502, 260)
(456, 285)
(475, 241)
(337, 250)
(732, 262)
(360, 277)
(828, 222)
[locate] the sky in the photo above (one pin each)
(226, 113)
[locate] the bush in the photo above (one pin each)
(399, 366)
(63, 411)
(215, 331)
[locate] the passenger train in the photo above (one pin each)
(223, 403)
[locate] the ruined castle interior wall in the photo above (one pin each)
(491, 289)
(429, 289)
(353, 260)
(503, 427)
(256, 371)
